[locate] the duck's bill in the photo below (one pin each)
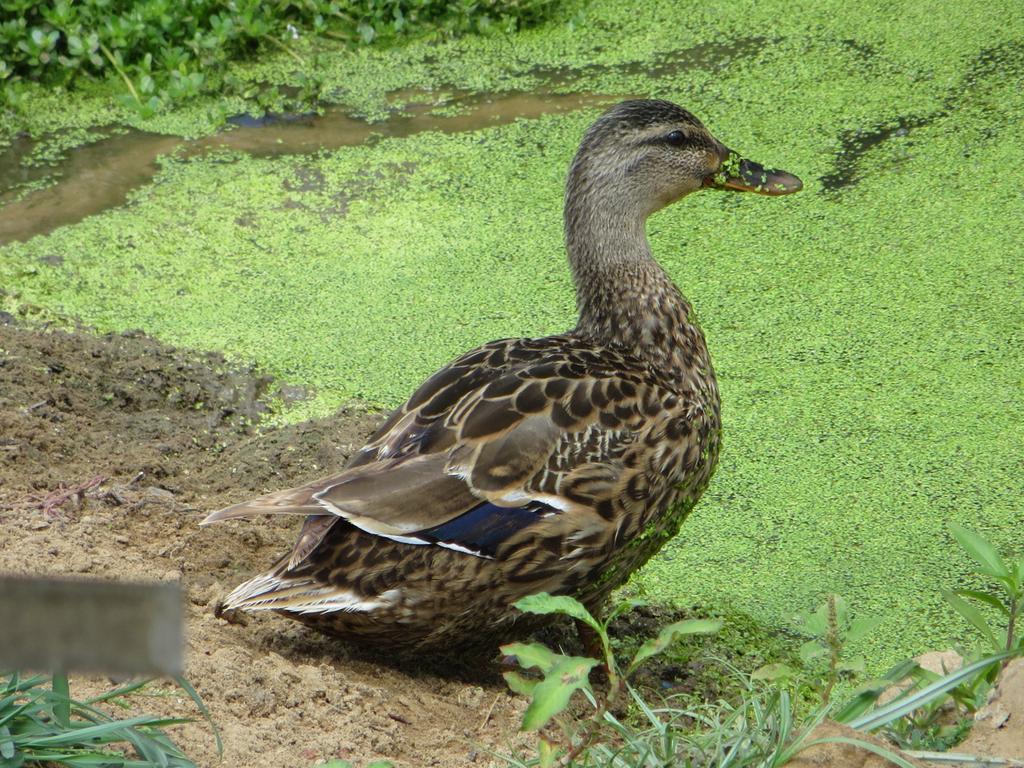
(747, 176)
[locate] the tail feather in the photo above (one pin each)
(261, 592)
(301, 594)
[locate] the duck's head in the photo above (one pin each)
(642, 155)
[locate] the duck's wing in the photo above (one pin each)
(509, 435)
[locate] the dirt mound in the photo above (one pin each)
(112, 448)
(999, 725)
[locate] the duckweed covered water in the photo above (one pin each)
(868, 332)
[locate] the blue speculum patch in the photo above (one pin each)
(486, 526)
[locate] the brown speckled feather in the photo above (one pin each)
(558, 464)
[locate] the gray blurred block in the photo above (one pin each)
(65, 625)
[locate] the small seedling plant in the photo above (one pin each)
(826, 661)
(563, 739)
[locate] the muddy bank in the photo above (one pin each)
(112, 448)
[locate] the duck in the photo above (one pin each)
(558, 464)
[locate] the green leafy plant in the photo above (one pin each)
(167, 51)
(1010, 577)
(825, 658)
(564, 675)
(911, 720)
(943, 705)
(40, 722)
(832, 629)
(762, 730)
(760, 726)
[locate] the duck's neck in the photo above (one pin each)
(624, 297)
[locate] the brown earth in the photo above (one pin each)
(999, 725)
(839, 754)
(112, 448)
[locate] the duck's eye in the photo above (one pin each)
(675, 139)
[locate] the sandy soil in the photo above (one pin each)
(151, 438)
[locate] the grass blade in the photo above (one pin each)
(883, 752)
(62, 700)
(958, 758)
(123, 690)
(100, 731)
(197, 699)
(914, 700)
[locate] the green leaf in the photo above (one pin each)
(542, 603)
(861, 627)
(100, 731)
(814, 623)
(366, 32)
(859, 704)
(6, 743)
(855, 665)
(962, 760)
(198, 701)
(124, 690)
(551, 695)
(981, 550)
(984, 597)
(812, 650)
(62, 705)
(518, 684)
(900, 671)
(624, 607)
(972, 614)
(868, 694)
(548, 753)
(533, 655)
(773, 673)
(668, 635)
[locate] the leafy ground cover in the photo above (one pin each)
(167, 52)
(763, 724)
